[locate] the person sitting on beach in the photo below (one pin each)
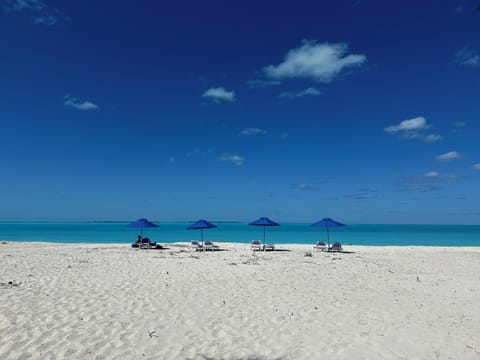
(139, 240)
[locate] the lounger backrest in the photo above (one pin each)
(321, 243)
(256, 242)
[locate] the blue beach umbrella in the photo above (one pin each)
(141, 223)
(327, 223)
(200, 225)
(264, 221)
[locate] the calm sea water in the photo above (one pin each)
(117, 232)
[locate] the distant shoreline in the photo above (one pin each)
(218, 222)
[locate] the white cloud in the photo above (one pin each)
(312, 183)
(284, 136)
(261, 83)
(233, 159)
(304, 187)
(307, 92)
(414, 129)
(19, 5)
(476, 166)
(252, 131)
(458, 126)
(45, 14)
(311, 60)
(427, 181)
(219, 94)
(364, 194)
(431, 174)
(432, 138)
(78, 104)
(301, 186)
(48, 20)
(437, 176)
(415, 124)
(449, 156)
(467, 57)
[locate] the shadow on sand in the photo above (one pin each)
(340, 252)
(253, 357)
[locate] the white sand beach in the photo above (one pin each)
(62, 301)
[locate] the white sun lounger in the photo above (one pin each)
(256, 245)
(320, 245)
(269, 247)
(211, 246)
(196, 245)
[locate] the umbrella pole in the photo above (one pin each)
(201, 231)
(264, 238)
(328, 236)
(141, 232)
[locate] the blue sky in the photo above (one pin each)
(363, 111)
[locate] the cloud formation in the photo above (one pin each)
(48, 20)
(307, 92)
(476, 167)
(413, 129)
(437, 176)
(252, 131)
(449, 156)
(78, 104)
(320, 62)
(431, 138)
(427, 181)
(219, 94)
(312, 183)
(19, 5)
(262, 83)
(45, 15)
(364, 194)
(415, 124)
(236, 160)
(467, 57)
(458, 126)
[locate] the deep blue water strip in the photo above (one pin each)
(117, 232)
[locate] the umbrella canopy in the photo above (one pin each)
(327, 223)
(200, 225)
(264, 221)
(141, 223)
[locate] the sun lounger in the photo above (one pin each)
(335, 247)
(256, 245)
(196, 245)
(210, 246)
(320, 245)
(269, 247)
(145, 244)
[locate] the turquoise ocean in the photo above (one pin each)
(288, 233)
